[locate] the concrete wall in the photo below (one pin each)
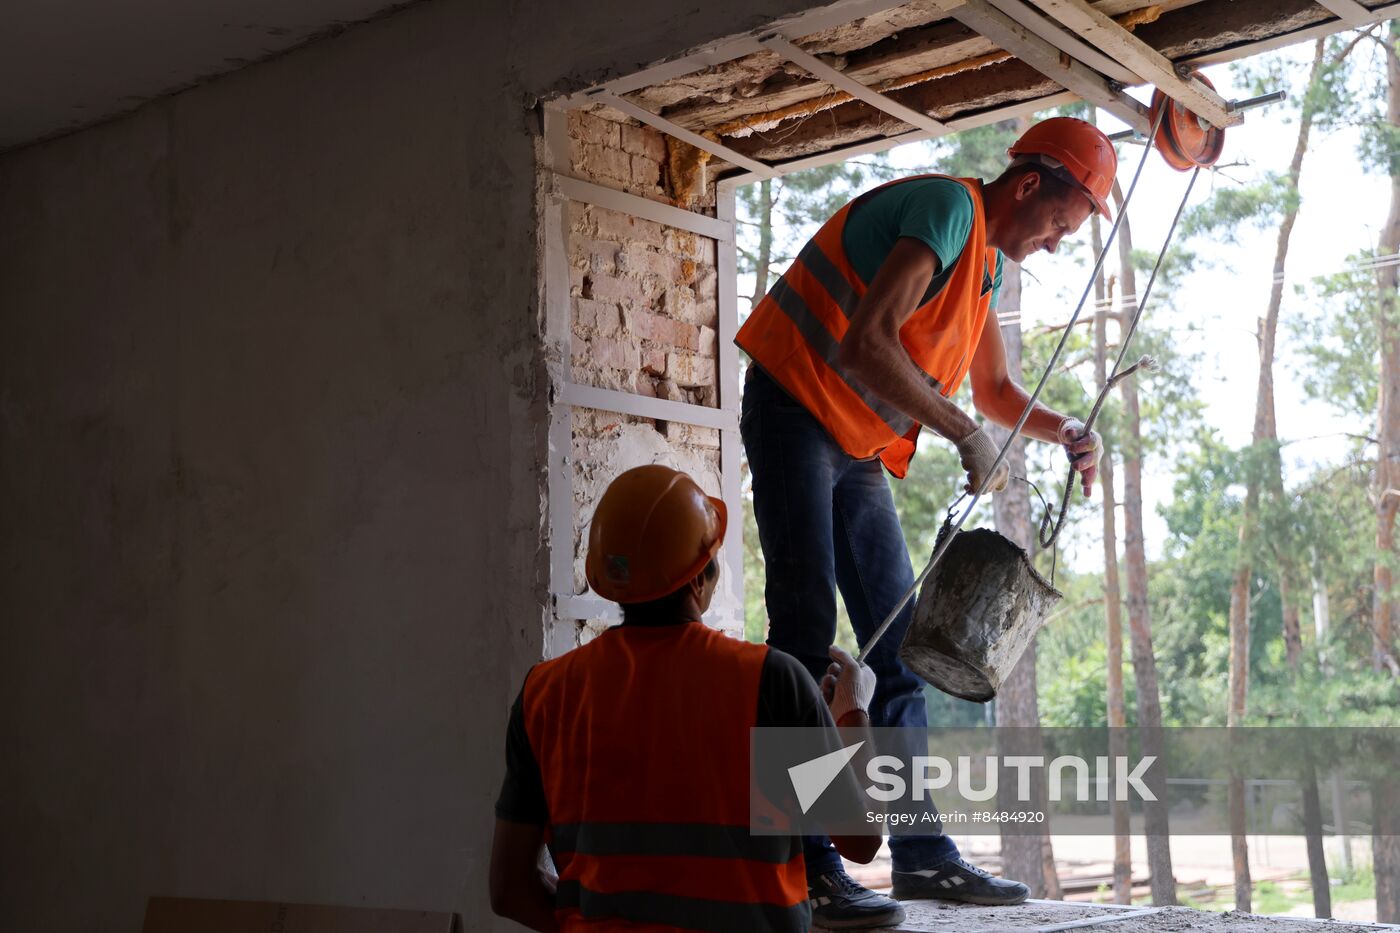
(271, 448)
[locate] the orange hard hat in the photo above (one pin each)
(654, 531)
(1081, 148)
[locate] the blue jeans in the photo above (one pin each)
(826, 522)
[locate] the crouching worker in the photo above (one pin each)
(629, 756)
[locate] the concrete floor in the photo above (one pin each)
(1046, 916)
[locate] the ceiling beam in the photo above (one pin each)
(681, 133)
(1141, 58)
(1350, 11)
(1006, 112)
(948, 99)
(820, 69)
(1065, 41)
(1048, 60)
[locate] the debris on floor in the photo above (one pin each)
(1038, 916)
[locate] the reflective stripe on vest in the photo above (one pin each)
(795, 335)
(649, 790)
(689, 913)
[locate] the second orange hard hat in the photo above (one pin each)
(1081, 148)
(653, 531)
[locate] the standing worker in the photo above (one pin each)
(630, 755)
(863, 340)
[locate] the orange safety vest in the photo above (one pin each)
(795, 332)
(642, 741)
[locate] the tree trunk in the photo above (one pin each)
(1317, 859)
(1149, 707)
(764, 259)
(1388, 416)
(1386, 795)
(1112, 600)
(1264, 470)
(1023, 855)
(1385, 847)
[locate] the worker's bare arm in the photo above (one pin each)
(518, 892)
(871, 349)
(998, 396)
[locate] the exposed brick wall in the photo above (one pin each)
(644, 318)
(644, 308)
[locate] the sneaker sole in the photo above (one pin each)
(891, 918)
(973, 899)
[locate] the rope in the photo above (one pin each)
(942, 545)
(1049, 532)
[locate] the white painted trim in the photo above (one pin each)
(558, 329)
(681, 133)
(1139, 57)
(1017, 39)
(727, 377)
(1021, 108)
(726, 50)
(644, 406)
(820, 69)
(1055, 34)
(1350, 11)
(576, 189)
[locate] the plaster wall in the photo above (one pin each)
(272, 547)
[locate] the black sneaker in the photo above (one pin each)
(839, 903)
(956, 880)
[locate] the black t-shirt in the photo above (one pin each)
(787, 696)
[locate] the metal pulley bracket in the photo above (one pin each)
(1184, 139)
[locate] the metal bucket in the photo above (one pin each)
(976, 614)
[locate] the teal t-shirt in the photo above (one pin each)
(935, 211)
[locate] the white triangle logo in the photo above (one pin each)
(811, 778)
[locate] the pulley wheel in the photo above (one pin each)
(1185, 140)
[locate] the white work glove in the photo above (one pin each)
(848, 685)
(1083, 451)
(978, 452)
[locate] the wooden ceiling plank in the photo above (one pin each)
(1141, 58)
(1350, 11)
(820, 69)
(946, 44)
(1005, 112)
(948, 99)
(1303, 33)
(1049, 61)
(1052, 32)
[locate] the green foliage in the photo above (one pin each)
(1339, 337)
(1075, 692)
(1257, 205)
(1349, 693)
(977, 153)
(786, 211)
